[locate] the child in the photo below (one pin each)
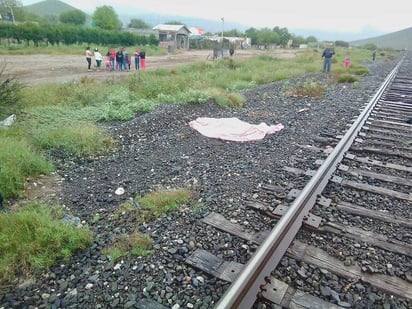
(346, 62)
(108, 63)
(129, 61)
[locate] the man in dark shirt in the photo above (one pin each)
(327, 58)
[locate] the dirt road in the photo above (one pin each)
(42, 69)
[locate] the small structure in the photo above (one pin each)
(176, 36)
(196, 33)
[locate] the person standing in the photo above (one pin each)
(98, 57)
(143, 60)
(327, 58)
(125, 58)
(88, 58)
(346, 62)
(374, 55)
(112, 56)
(169, 51)
(119, 60)
(136, 60)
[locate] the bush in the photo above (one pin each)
(33, 239)
(17, 161)
(347, 78)
(9, 93)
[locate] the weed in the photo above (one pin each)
(17, 161)
(96, 218)
(347, 78)
(309, 88)
(33, 240)
(9, 93)
(162, 202)
(133, 244)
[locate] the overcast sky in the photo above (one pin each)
(342, 16)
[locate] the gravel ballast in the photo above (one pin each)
(159, 150)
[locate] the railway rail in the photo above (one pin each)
(352, 242)
(372, 165)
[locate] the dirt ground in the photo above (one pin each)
(42, 69)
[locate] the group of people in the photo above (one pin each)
(327, 59)
(116, 61)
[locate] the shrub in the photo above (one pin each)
(80, 139)
(32, 239)
(308, 89)
(9, 93)
(133, 244)
(347, 78)
(18, 161)
(161, 202)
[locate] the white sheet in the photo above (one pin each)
(233, 129)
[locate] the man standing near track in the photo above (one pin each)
(327, 58)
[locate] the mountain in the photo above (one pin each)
(48, 8)
(51, 9)
(396, 40)
(327, 35)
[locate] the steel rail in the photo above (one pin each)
(243, 292)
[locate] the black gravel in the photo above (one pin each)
(160, 150)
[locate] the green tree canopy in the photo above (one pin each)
(341, 43)
(311, 39)
(174, 22)
(74, 17)
(298, 40)
(138, 24)
(106, 18)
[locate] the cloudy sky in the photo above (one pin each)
(341, 16)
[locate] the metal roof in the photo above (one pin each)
(170, 28)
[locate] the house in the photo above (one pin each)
(176, 36)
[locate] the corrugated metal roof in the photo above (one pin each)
(171, 28)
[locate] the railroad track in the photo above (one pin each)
(364, 175)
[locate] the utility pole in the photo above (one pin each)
(223, 27)
(12, 15)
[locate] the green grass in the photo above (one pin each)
(162, 202)
(136, 244)
(310, 88)
(18, 160)
(32, 240)
(154, 204)
(74, 49)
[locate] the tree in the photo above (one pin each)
(341, 43)
(174, 22)
(311, 39)
(138, 24)
(106, 18)
(298, 40)
(74, 17)
(284, 35)
(267, 37)
(252, 34)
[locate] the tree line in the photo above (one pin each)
(69, 28)
(32, 33)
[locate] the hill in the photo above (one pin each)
(48, 8)
(52, 9)
(396, 40)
